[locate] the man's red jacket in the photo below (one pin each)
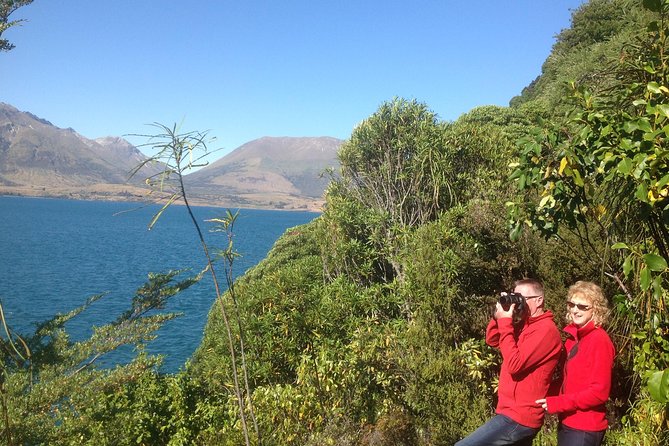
(587, 379)
(529, 357)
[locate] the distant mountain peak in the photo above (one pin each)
(41, 157)
(38, 158)
(285, 166)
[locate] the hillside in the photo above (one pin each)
(584, 52)
(279, 172)
(40, 159)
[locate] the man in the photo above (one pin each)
(530, 352)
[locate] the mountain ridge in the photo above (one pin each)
(40, 159)
(286, 167)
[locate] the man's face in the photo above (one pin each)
(533, 300)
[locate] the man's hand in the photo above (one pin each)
(501, 313)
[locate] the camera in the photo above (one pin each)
(507, 299)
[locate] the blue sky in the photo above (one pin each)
(247, 69)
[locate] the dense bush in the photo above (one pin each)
(365, 326)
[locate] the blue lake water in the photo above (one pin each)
(55, 254)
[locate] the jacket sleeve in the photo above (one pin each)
(492, 334)
(540, 342)
(595, 391)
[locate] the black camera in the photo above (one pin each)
(507, 299)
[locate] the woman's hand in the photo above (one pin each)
(542, 403)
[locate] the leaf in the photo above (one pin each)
(639, 335)
(663, 181)
(658, 386)
(644, 278)
(563, 163)
(642, 193)
(536, 147)
(657, 290)
(663, 109)
(515, 231)
(545, 200)
(625, 166)
(627, 266)
(620, 245)
(640, 169)
(578, 180)
(516, 174)
(605, 131)
(655, 262)
(157, 215)
(653, 87)
(644, 124)
(522, 181)
(630, 126)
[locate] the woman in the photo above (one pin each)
(586, 383)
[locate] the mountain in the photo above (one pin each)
(276, 172)
(40, 159)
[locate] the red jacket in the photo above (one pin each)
(586, 379)
(529, 357)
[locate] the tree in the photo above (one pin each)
(390, 163)
(7, 7)
(391, 167)
(593, 22)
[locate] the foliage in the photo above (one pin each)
(477, 147)
(644, 425)
(392, 165)
(597, 38)
(593, 22)
(365, 327)
(400, 169)
(317, 348)
(7, 8)
(51, 390)
(348, 231)
(179, 153)
(336, 343)
(450, 287)
(603, 174)
(335, 355)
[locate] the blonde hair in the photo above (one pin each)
(592, 294)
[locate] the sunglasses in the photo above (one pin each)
(581, 307)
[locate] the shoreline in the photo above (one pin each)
(133, 194)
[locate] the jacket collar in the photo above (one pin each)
(545, 315)
(580, 332)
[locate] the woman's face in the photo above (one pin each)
(580, 310)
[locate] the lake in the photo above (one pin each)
(57, 253)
